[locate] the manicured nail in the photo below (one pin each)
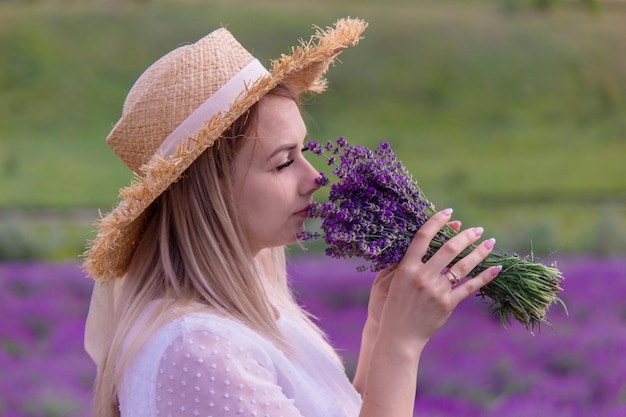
(478, 231)
(496, 270)
(489, 243)
(447, 212)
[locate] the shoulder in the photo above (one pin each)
(196, 355)
(202, 339)
(212, 329)
(205, 335)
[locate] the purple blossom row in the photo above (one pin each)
(471, 367)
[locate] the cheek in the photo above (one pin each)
(257, 198)
(260, 193)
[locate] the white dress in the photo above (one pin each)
(209, 366)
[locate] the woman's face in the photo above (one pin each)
(273, 181)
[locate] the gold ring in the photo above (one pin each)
(452, 277)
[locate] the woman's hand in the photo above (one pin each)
(421, 295)
(380, 289)
(409, 302)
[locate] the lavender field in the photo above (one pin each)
(472, 367)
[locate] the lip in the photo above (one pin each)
(304, 212)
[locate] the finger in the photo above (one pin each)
(465, 265)
(383, 277)
(455, 225)
(453, 248)
(470, 286)
(419, 245)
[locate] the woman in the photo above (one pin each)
(192, 313)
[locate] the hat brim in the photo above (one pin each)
(109, 255)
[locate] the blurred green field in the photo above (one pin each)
(513, 117)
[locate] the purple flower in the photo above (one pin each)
(376, 207)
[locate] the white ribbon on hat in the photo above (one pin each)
(219, 101)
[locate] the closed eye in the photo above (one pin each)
(285, 165)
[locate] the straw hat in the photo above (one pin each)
(180, 106)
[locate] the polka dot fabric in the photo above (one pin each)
(206, 371)
(208, 366)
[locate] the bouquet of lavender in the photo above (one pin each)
(376, 207)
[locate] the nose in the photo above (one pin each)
(310, 179)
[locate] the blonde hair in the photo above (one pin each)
(193, 256)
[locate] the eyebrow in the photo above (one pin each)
(285, 148)
(282, 148)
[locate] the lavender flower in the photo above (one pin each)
(376, 207)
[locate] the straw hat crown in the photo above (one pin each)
(174, 90)
(170, 90)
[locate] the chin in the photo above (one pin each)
(294, 239)
(282, 242)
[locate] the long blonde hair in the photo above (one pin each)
(193, 255)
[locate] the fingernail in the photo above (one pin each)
(489, 243)
(478, 231)
(447, 212)
(495, 271)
